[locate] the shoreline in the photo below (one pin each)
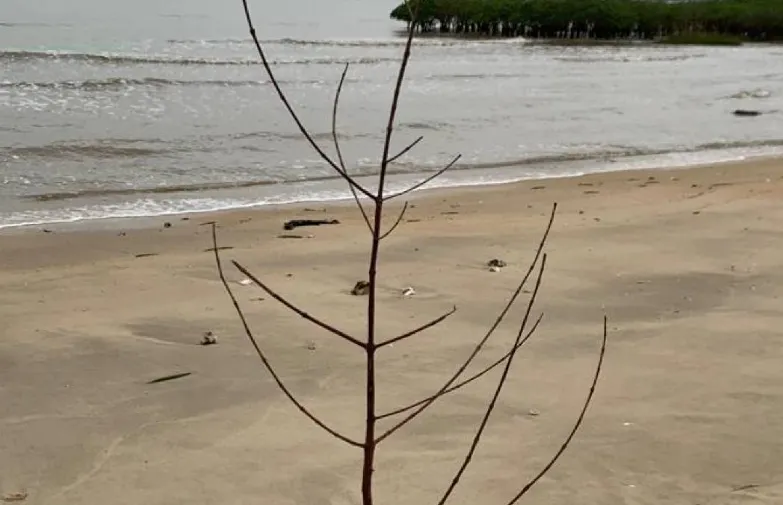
(152, 221)
(149, 221)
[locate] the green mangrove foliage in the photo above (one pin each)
(598, 19)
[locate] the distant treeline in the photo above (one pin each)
(598, 19)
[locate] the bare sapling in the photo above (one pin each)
(369, 442)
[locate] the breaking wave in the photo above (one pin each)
(627, 59)
(80, 151)
(118, 83)
(123, 83)
(612, 154)
(754, 93)
(23, 24)
(137, 59)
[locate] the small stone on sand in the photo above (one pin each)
(361, 288)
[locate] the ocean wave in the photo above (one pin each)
(144, 208)
(74, 150)
(118, 83)
(160, 190)
(469, 77)
(122, 83)
(420, 125)
(149, 207)
(14, 56)
(138, 148)
(628, 59)
(739, 144)
(754, 93)
(294, 136)
(31, 24)
(610, 155)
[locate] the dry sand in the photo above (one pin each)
(687, 264)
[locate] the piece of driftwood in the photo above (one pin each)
(296, 223)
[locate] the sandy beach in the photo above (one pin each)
(686, 263)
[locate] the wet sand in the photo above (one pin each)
(687, 265)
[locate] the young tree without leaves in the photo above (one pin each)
(369, 344)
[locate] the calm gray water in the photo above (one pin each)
(111, 108)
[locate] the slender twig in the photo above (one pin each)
(397, 222)
(339, 150)
(425, 181)
(473, 377)
(263, 356)
(576, 427)
(418, 330)
(501, 382)
(294, 308)
(484, 340)
(393, 111)
(405, 151)
(291, 110)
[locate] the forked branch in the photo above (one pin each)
(406, 56)
(338, 149)
(473, 377)
(396, 223)
(425, 181)
(302, 129)
(262, 355)
(418, 330)
(574, 429)
(501, 382)
(297, 310)
(484, 340)
(405, 151)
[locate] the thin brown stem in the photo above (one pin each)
(297, 310)
(263, 356)
(397, 222)
(484, 340)
(292, 112)
(418, 330)
(393, 111)
(405, 151)
(575, 428)
(425, 181)
(339, 150)
(472, 378)
(370, 418)
(501, 382)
